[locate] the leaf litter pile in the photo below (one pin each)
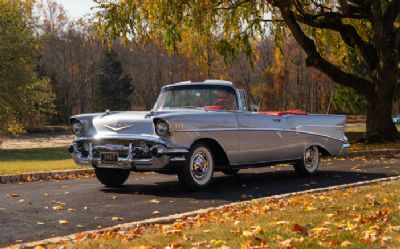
(363, 217)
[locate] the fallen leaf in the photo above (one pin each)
(58, 208)
(13, 195)
(63, 222)
(247, 233)
(115, 197)
(282, 222)
(116, 218)
(38, 247)
(21, 200)
(71, 209)
(155, 201)
(346, 243)
(156, 212)
(298, 228)
(40, 223)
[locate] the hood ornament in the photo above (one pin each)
(118, 127)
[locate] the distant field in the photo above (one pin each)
(35, 160)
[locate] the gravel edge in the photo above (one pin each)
(68, 174)
(171, 218)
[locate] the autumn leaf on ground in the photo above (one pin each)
(116, 218)
(71, 209)
(346, 243)
(299, 229)
(63, 222)
(115, 197)
(156, 212)
(13, 195)
(58, 208)
(155, 201)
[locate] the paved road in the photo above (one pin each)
(30, 216)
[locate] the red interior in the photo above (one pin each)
(281, 113)
(213, 108)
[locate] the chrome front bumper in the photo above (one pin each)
(161, 156)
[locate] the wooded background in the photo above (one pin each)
(53, 67)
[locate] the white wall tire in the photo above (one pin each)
(198, 170)
(309, 163)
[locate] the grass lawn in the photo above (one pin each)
(35, 160)
(364, 217)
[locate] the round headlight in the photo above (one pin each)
(162, 127)
(78, 127)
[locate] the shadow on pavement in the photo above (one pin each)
(229, 188)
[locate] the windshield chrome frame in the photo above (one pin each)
(236, 91)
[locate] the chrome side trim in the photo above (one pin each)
(272, 162)
(259, 129)
(325, 126)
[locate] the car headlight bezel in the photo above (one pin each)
(78, 127)
(162, 127)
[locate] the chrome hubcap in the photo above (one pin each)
(311, 158)
(200, 165)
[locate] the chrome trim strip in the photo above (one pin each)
(325, 126)
(267, 162)
(260, 129)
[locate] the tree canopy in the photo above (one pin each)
(354, 42)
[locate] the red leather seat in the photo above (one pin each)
(213, 108)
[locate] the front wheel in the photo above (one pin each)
(308, 165)
(198, 170)
(112, 177)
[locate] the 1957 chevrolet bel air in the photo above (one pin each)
(197, 128)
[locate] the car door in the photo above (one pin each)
(260, 137)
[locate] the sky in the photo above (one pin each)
(77, 8)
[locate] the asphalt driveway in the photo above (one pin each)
(27, 210)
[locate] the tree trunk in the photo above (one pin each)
(380, 125)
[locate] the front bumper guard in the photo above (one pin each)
(162, 156)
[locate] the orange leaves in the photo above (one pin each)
(172, 229)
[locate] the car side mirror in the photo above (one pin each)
(255, 108)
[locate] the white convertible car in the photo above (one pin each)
(197, 128)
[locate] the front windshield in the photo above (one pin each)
(207, 97)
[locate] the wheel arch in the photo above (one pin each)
(322, 149)
(219, 154)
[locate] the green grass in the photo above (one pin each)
(35, 160)
(365, 217)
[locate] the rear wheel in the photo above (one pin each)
(230, 172)
(112, 177)
(198, 170)
(308, 165)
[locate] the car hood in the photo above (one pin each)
(123, 123)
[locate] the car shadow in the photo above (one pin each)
(253, 185)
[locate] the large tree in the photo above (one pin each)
(329, 31)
